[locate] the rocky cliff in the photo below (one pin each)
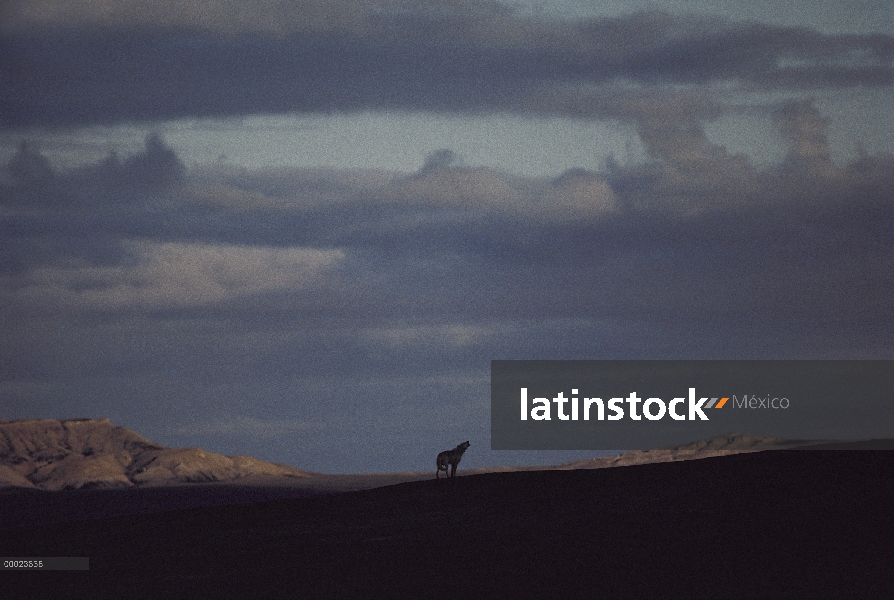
(78, 453)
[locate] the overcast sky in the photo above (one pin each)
(301, 230)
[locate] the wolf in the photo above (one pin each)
(450, 458)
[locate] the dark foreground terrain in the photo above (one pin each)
(782, 524)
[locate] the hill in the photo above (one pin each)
(752, 525)
(93, 453)
(721, 445)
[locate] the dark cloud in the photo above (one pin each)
(770, 57)
(439, 159)
(51, 215)
(29, 168)
(112, 181)
(693, 232)
(89, 75)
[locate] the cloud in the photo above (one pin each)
(685, 169)
(479, 188)
(157, 166)
(438, 18)
(693, 231)
(576, 194)
(440, 159)
(804, 129)
(246, 426)
(29, 168)
(224, 15)
(319, 292)
(32, 181)
(442, 189)
(431, 337)
(162, 275)
(150, 61)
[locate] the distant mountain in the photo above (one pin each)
(722, 445)
(94, 453)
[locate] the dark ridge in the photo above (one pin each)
(780, 524)
(31, 507)
(882, 444)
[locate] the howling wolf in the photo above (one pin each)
(451, 458)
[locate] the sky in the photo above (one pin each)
(302, 229)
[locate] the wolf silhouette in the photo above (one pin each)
(450, 458)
